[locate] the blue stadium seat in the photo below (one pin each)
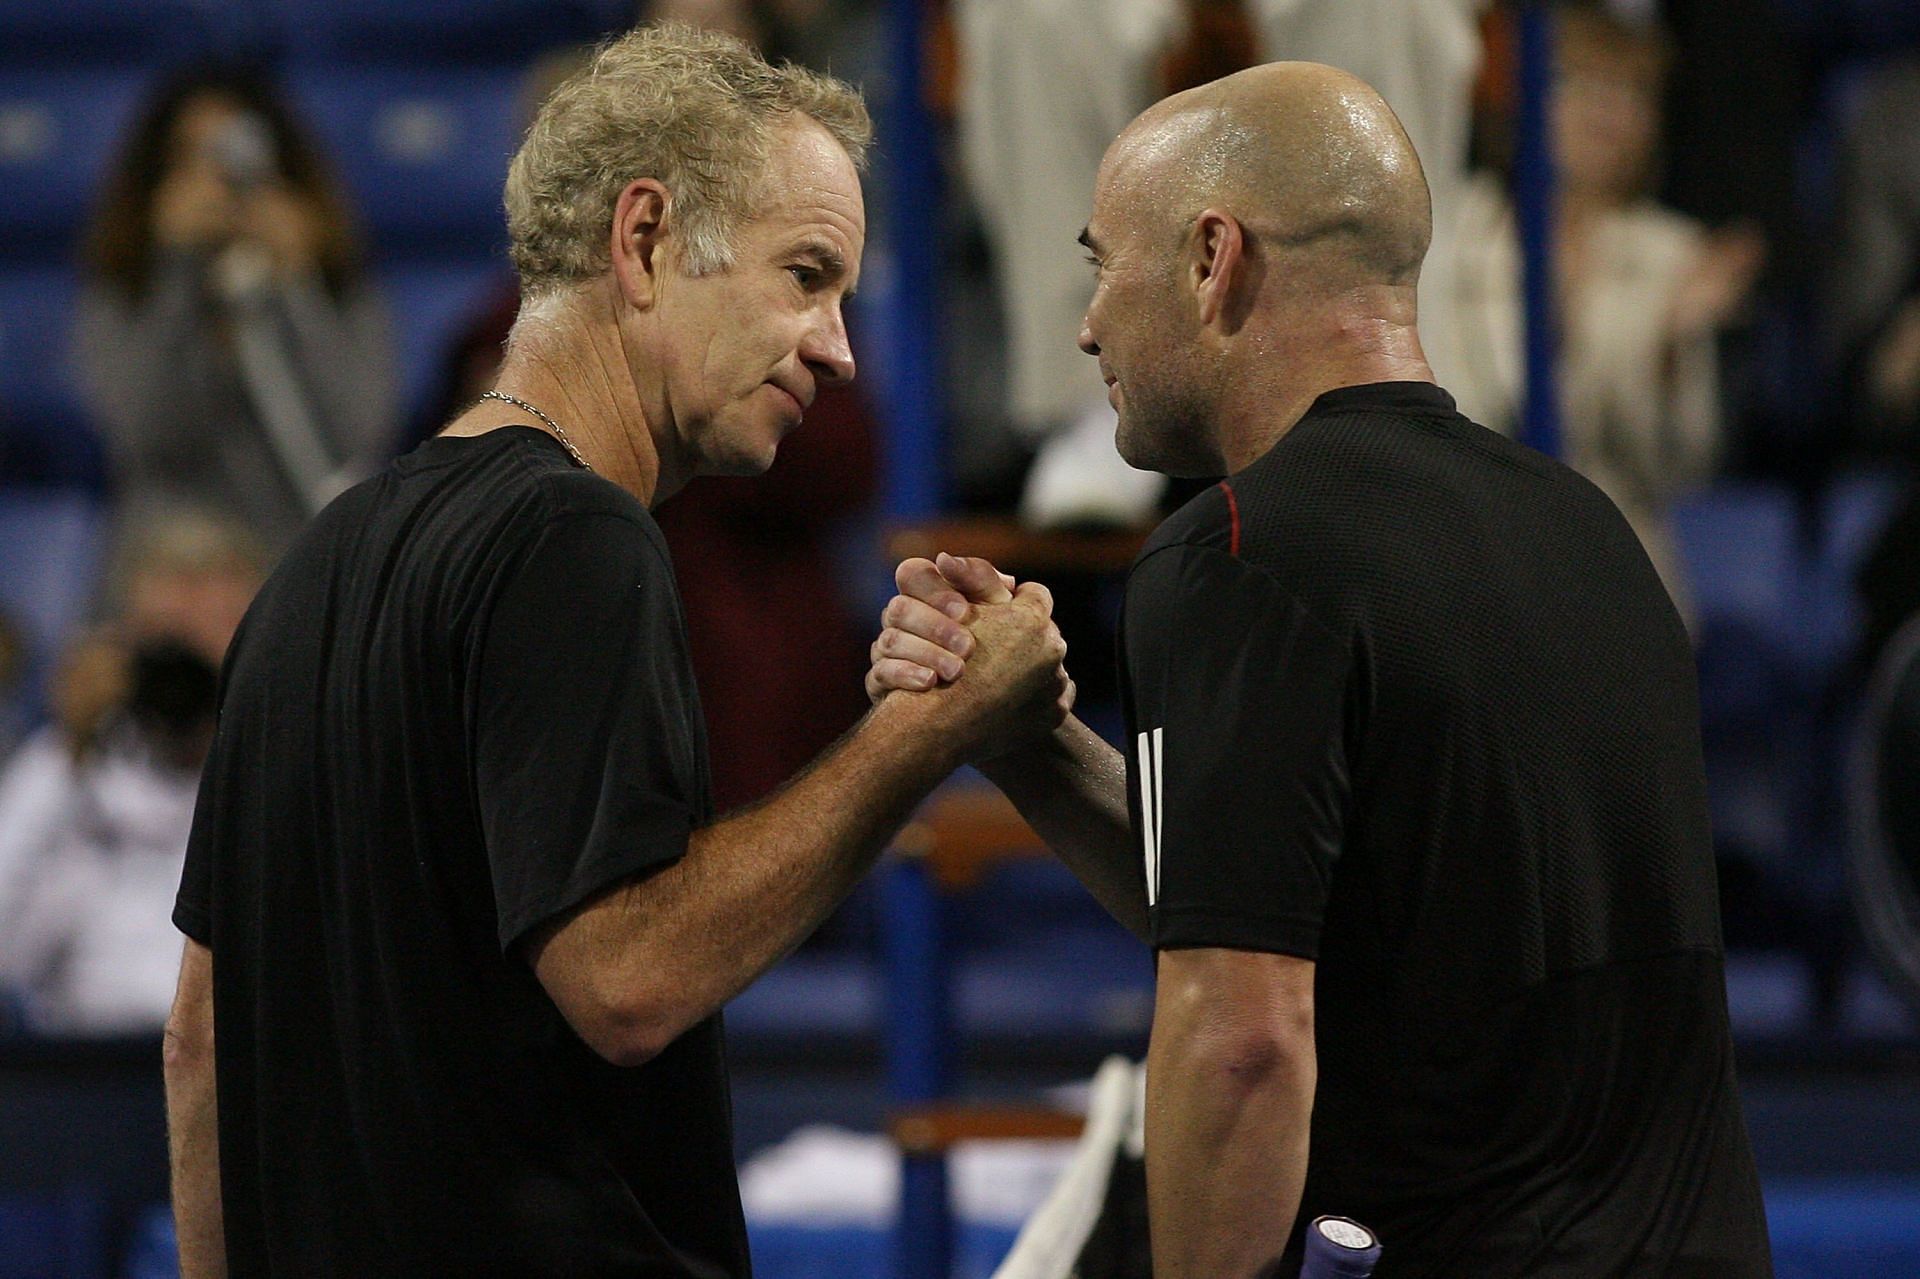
(52, 1236)
(1861, 24)
(495, 32)
(1853, 510)
(153, 1252)
(423, 151)
(45, 435)
(59, 132)
(1740, 543)
(1741, 547)
(799, 1250)
(129, 31)
(432, 303)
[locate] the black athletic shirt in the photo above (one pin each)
(460, 706)
(1407, 699)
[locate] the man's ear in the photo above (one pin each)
(1217, 267)
(638, 248)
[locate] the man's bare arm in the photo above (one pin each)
(1072, 789)
(193, 1120)
(1230, 1082)
(1071, 786)
(635, 967)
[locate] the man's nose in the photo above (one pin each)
(827, 351)
(1087, 343)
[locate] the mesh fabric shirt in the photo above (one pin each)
(1407, 699)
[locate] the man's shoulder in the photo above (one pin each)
(508, 489)
(1388, 489)
(1209, 519)
(1362, 455)
(443, 529)
(527, 465)
(1203, 566)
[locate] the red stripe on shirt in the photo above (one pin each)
(1233, 515)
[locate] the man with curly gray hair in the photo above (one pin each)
(454, 850)
(713, 110)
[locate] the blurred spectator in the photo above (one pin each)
(822, 34)
(1875, 323)
(1045, 87)
(232, 351)
(1643, 291)
(739, 18)
(1875, 296)
(95, 809)
(746, 549)
(13, 662)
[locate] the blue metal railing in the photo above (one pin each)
(1533, 192)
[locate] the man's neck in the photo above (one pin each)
(577, 374)
(1290, 373)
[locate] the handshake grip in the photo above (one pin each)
(1339, 1248)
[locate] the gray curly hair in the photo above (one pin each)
(696, 110)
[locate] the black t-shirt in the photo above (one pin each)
(460, 706)
(1407, 699)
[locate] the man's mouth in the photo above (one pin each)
(799, 409)
(801, 392)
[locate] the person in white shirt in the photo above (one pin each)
(95, 808)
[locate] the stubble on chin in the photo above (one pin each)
(1168, 438)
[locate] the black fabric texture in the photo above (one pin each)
(1407, 699)
(460, 707)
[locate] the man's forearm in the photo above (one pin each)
(761, 881)
(680, 943)
(1226, 1130)
(193, 1113)
(1072, 789)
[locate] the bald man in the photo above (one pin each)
(1413, 808)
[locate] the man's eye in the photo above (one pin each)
(1091, 260)
(804, 275)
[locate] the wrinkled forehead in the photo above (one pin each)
(809, 181)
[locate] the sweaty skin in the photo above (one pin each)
(1306, 153)
(1256, 241)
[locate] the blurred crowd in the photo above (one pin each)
(1723, 305)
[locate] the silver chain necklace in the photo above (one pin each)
(558, 434)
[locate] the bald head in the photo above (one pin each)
(1304, 155)
(1256, 242)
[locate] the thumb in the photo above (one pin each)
(974, 577)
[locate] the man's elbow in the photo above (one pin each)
(186, 1045)
(187, 1041)
(1243, 1021)
(624, 1044)
(1255, 1055)
(628, 1027)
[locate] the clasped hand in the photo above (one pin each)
(960, 616)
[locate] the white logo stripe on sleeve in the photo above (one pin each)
(1150, 807)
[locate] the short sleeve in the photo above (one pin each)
(587, 753)
(1237, 766)
(193, 905)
